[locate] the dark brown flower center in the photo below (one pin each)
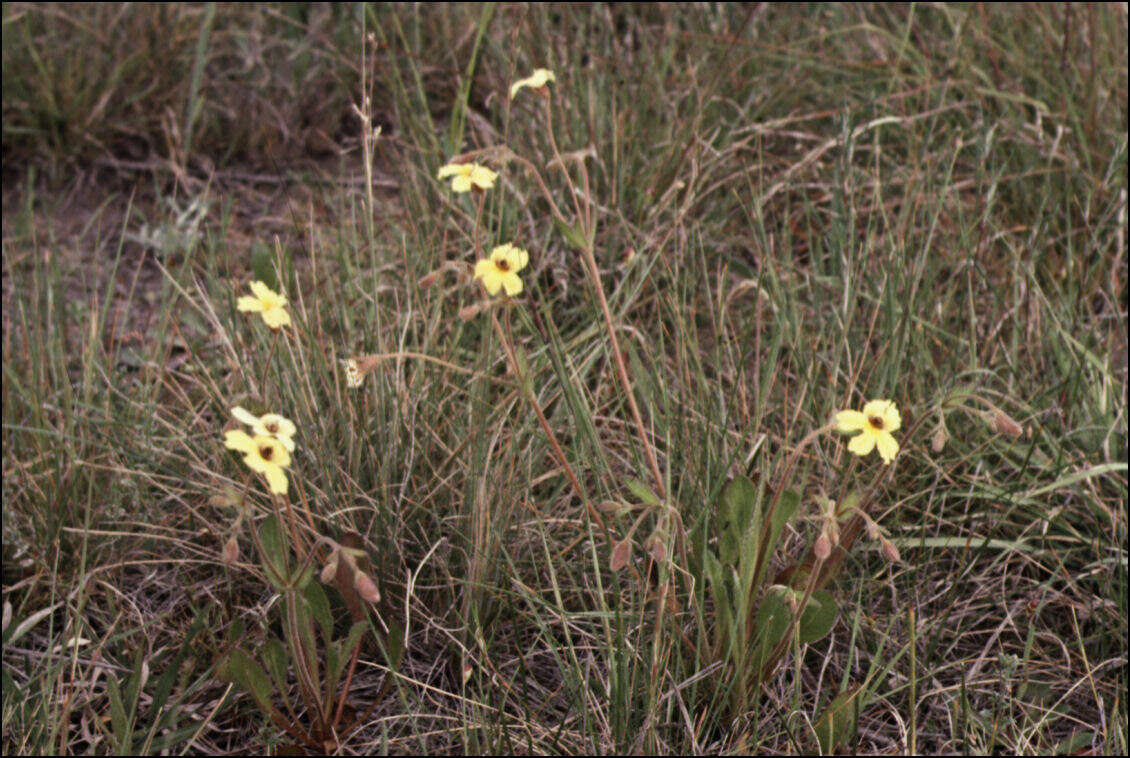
(876, 422)
(502, 264)
(272, 427)
(266, 451)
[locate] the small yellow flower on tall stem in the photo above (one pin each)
(875, 423)
(268, 425)
(467, 176)
(265, 301)
(264, 455)
(500, 271)
(537, 81)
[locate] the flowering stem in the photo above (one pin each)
(478, 218)
(544, 190)
(292, 526)
(561, 165)
(558, 453)
(271, 351)
(594, 273)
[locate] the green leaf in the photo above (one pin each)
(740, 516)
(334, 664)
(263, 266)
(818, 616)
(304, 579)
(770, 625)
(642, 492)
(739, 500)
(847, 507)
(785, 509)
(838, 721)
(275, 550)
(277, 661)
(118, 721)
(395, 643)
(295, 604)
(249, 675)
(320, 607)
(723, 602)
(572, 235)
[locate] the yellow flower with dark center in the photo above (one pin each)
(353, 376)
(500, 271)
(268, 425)
(467, 176)
(875, 423)
(264, 455)
(270, 304)
(537, 80)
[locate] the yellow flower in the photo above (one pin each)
(538, 79)
(501, 269)
(353, 376)
(270, 304)
(264, 455)
(878, 419)
(269, 425)
(467, 176)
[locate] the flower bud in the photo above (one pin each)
(890, 550)
(657, 549)
(1001, 423)
(329, 571)
(366, 587)
(231, 551)
(470, 311)
(620, 554)
(938, 441)
(822, 548)
(428, 279)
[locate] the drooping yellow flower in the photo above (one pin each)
(353, 376)
(467, 176)
(265, 301)
(264, 455)
(501, 269)
(875, 423)
(268, 425)
(536, 80)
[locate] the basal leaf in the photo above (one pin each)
(818, 616)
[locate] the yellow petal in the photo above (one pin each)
(512, 283)
(452, 169)
(461, 183)
(888, 448)
(239, 440)
(492, 280)
(850, 421)
(262, 291)
(483, 177)
(863, 443)
(276, 317)
(538, 79)
(248, 304)
(276, 479)
(244, 416)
